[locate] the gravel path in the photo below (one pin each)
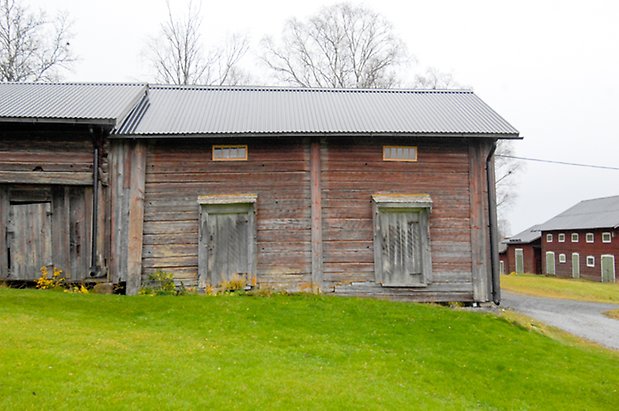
(580, 318)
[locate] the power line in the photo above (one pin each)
(558, 162)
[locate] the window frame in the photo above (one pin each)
(562, 258)
(561, 237)
(216, 147)
(592, 259)
(592, 238)
(549, 238)
(402, 160)
(609, 236)
(575, 237)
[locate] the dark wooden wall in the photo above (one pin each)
(353, 170)
(277, 170)
(52, 164)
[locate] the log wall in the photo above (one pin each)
(353, 170)
(277, 170)
(350, 170)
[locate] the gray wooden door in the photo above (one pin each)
(230, 242)
(550, 263)
(575, 265)
(608, 268)
(519, 252)
(29, 238)
(401, 248)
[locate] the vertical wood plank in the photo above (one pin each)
(202, 248)
(60, 228)
(316, 214)
(479, 223)
(4, 219)
(136, 217)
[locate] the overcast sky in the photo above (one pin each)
(549, 67)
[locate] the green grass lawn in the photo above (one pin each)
(69, 351)
(542, 286)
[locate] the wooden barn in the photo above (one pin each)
(522, 252)
(583, 241)
(355, 192)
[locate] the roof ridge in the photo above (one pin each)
(310, 89)
(75, 83)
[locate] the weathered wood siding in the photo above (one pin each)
(353, 170)
(49, 165)
(277, 170)
(126, 212)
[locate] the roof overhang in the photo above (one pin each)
(46, 120)
(316, 134)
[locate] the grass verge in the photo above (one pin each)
(71, 351)
(612, 314)
(553, 287)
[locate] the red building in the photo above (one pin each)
(522, 252)
(583, 242)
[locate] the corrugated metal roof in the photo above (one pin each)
(527, 236)
(595, 213)
(194, 110)
(68, 102)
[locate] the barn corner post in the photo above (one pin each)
(4, 217)
(480, 224)
(316, 213)
(135, 224)
(127, 212)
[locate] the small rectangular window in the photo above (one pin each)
(590, 261)
(562, 258)
(561, 238)
(589, 238)
(400, 153)
(549, 238)
(574, 237)
(229, 153)
(606, 238)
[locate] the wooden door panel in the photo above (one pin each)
(29, 239)
(401, 248)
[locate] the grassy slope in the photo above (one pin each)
(112, 352)
(543, 286)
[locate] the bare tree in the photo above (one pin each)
(341, 46)
(32, 48)
(434, 79)
(506, 171)
(179, 57)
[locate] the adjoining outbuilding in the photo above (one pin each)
(522, 252)
(362, 192)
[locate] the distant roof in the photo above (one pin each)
(595, 213)
(525, 237)
(92, 103)
(199, 110)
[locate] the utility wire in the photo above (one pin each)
(558, 162)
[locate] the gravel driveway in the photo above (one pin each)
(577, 317)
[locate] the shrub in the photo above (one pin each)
(54, 282)
(160, 283)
